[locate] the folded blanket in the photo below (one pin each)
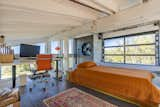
(9, 96)
(4, 93)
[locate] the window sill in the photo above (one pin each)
(150, 68)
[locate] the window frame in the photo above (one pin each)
(18, 49)
(59, 44)
(41, 44)
(155, 44)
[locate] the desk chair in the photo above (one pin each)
(43, 65)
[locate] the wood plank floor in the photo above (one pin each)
(36, 97)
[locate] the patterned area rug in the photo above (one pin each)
(76, 98)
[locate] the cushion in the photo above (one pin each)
(87, 64)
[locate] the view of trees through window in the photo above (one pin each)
(6, 71)
(137, 49)
(21, 69)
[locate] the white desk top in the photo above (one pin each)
(18, 62)
(23, 61)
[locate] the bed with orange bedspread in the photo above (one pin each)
(131, 84)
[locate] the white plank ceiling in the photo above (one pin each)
(35, 19)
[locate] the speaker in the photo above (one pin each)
(100, 36)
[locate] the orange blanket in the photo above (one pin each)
(131, 84)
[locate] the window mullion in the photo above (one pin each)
(102, 57)
(157, 48)
(124, 46)
(141, 44)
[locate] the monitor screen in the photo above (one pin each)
(29, 50)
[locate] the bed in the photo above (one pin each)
(129, 84)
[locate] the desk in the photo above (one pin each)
(24, 61)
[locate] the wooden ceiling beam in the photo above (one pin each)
(144, 1)
(104, 5)
(91, 7)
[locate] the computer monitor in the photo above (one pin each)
(29, 50)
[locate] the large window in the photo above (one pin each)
(16, 49)
(55, 44)
(132, 49)
(6, 71)
(42, 47)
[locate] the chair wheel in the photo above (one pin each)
(30, 89)
(34, 85)
(44, 89)
(52, 84)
